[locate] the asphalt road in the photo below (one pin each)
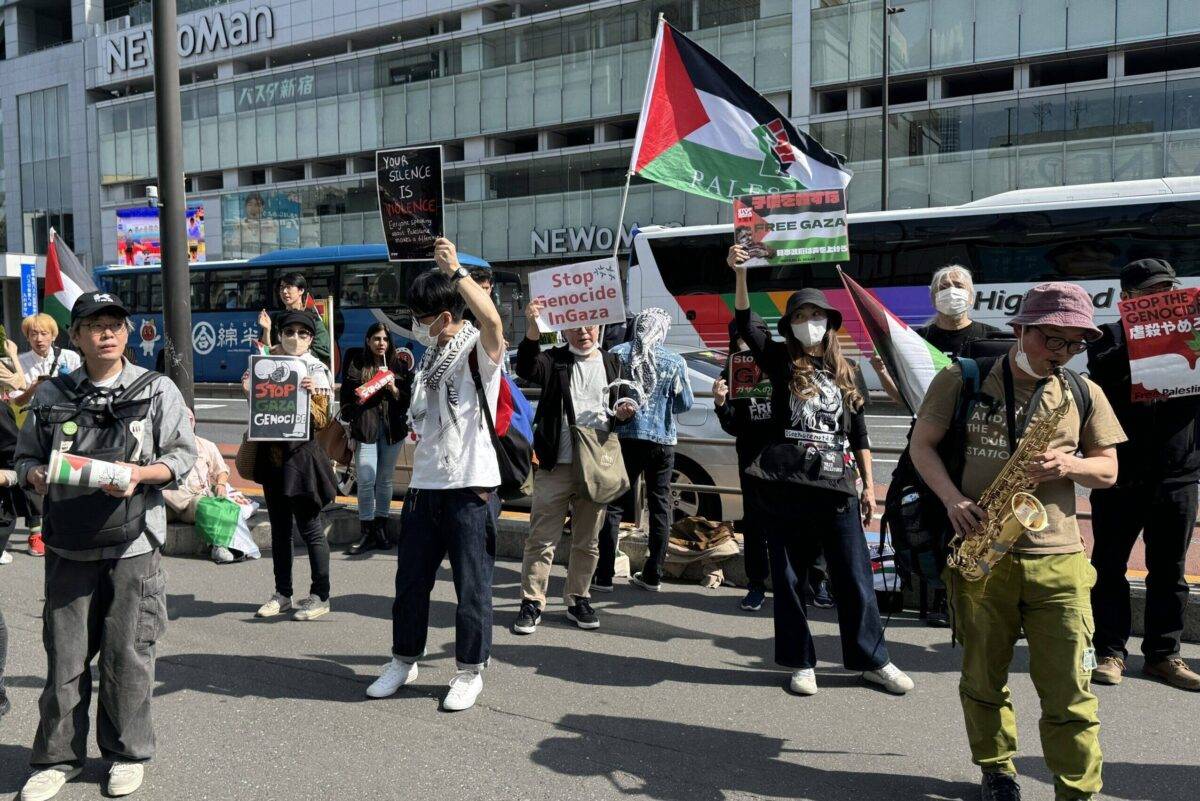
(673, 699)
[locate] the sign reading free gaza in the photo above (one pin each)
(580, 294)
(792, 227)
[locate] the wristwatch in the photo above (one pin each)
(459, 274)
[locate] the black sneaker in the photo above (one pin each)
(528, 618)
(583, 615)
(822, 598)
(939, 615)
(5, 705)
(999, 786)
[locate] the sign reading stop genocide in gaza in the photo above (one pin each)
(1163, 335)
(575, 295)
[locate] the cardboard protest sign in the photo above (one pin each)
(410, 200)
(746, 379)
(278, 404)
(575, 295)
(792, 227)
(1163, 336)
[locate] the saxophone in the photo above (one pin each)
(1011, 507)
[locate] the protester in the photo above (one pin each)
(484, 277)
(298, 482)
(1155, 496)
(293, 294)
(748, 421)
(574, 382)
(808, 472)
(44, 359)
(378, 426)
(104, 588)
(1042, 587)
(952, 291)
(8, 478)
(451, 504)
(655, 389)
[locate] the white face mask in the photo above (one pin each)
(580, 351)
(811, 332)
(953, 301)
(1023, 359)
(421, 334)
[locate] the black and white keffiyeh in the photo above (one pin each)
(431, 385)
(649, 331)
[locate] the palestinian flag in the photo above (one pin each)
(66, 280)
(80, 471)
(911, 360)
(706, 131)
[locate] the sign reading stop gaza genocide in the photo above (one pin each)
(1163, 336)
(575, 295)
(410, 200)
(792, 227)
(278, 404)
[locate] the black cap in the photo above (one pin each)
(1145, 273)
(89, 304)
(755, 320)
(813, 297)
(297, 317)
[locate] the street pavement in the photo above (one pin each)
(674, 699)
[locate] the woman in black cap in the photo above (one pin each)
(808, 469)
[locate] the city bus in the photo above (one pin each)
(227, 296)
(1083, 234)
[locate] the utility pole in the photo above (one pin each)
(888, 11)
(177, 307)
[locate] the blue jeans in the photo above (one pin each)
(375, 463)
(800, 522)
(435, 523)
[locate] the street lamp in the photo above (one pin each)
(888, 11)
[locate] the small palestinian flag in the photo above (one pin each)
(911, 360)
(66, 280)
(80, 471)
(706, 131)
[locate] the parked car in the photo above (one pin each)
(704, 456)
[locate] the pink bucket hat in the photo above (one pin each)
(1057, 303)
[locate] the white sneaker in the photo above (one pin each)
(890, 678)
(5, 558)
(395, 675)
(124, 778)
(276, 606)
(464, 689)
(804, 682)
(45, 784)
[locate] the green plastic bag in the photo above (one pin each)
(217, 520)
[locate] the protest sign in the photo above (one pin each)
(1162, 333)
(575, 295)
(792, 227)
(746, 380)
(376, 383)
(81, 471)
(410, 200)
(278, 404)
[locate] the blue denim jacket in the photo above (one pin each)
(672, 395)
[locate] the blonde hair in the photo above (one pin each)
(41, 320)
(802, 384)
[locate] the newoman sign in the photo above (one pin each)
(213, 32)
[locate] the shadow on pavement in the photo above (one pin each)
(677, 762)
(1130, 781)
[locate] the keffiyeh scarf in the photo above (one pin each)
(649, 331)
(431, 387)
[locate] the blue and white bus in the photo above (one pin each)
(226, 297)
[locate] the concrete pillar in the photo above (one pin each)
(229, 179)
(475, 148)
(801, 59)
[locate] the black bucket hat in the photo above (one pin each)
(813, 297)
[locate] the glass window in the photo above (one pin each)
(199, 297)
(909, 37)
(1089, 115)
(866, 58)
(1091, 23)
(1000, 37)
(952, 40)
(1043, 26)
(1140, 109)
(994, 125)
(1042, 119)
(375, 285)
(237, 289)
(327, 80)
(1141, 19)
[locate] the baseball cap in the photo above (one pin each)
(1145, 273)
(89, 304)
(297, 317)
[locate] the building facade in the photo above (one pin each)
(536, 103)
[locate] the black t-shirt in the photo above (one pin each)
(951, 342)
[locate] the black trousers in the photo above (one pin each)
(654, 462)
(754, 536)
(1165, 517)
(290, 516)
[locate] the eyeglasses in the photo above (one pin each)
(302, 333)
(96, 329)
(1056, 344)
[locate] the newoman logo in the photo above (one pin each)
(211, 33)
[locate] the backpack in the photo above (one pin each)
(912, 512)
(98, 424)
(512, 433)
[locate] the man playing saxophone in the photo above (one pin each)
(1042, 584)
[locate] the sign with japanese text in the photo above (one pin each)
(278, 404)
(580, 294)
(1162, 333)
(410, 200)
(792, 227)
(29, 292)
(746, 379)
(274, 90)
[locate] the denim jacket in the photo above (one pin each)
(672, 395)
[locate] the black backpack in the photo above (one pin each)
(99, 424)
(912, 512)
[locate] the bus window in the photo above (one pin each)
(199, 299)
(318, 277)
(149, 292)
(374, 285)
(123, 287)
(237, 289)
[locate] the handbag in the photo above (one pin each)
(247, 457)
(599, 466)
(217, 519)
(335, 442)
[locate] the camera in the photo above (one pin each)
(151, 196)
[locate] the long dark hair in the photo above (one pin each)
(368, 358)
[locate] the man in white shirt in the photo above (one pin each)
(44, 359)
(451, 505)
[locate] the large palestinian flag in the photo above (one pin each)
(66, 280)
(911, 360)
(706, 131)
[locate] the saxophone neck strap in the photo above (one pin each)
(1010, 405)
